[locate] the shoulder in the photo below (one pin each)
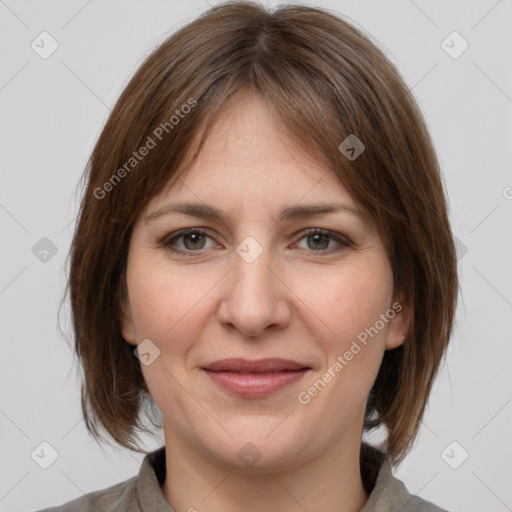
(395, 495)
(138, 493)
(386, 492)
(116, 498)
(417, 504)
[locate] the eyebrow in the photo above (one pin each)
(294, 212)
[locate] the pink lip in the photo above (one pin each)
(256, 366)
(255, 379)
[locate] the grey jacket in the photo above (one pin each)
(142, 493)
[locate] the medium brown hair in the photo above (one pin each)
(326, 80)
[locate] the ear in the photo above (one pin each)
(399, 324)
(126, 317)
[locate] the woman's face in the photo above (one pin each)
(253, 285)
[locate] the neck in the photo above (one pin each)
(331, 482)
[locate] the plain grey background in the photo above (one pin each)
(52, 111)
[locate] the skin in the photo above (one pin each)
(300, 299)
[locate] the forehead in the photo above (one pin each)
(250, 158)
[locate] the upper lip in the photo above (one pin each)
(254, 366)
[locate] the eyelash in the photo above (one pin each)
(344, 244)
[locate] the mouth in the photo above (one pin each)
(255, 379)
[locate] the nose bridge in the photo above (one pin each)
(252, 262)
(254, 298)
(252, 280)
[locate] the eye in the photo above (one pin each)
(320, 240)
(193, 240)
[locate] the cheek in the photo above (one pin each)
(167, 302)
(354, 352)
(357, 297)
(167, 308)
(352, 309)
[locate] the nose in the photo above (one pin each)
(255, 297)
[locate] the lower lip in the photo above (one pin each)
(255, 385)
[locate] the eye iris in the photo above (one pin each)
(196, 237)
(317, 237)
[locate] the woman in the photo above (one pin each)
(263, 252)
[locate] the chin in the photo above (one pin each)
(261, 452)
